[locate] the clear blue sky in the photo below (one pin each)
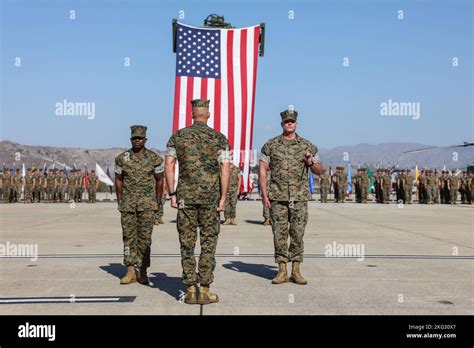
(82, 60)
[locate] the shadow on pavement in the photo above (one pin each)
(255, 222)
(258, 270)
(116, 269)
(171, 285)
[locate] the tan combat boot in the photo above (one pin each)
(282, 276)
(142, 276)
(267, 222)
(130, 277)
(160, 221)
(233, 222)
(296, 276)
(207, 297)
(191, 295)
(226, 222)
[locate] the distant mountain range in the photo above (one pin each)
(392, 153)
(384, 154)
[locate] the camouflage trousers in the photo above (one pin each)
(37, 195)
(364, 193)
(7, 194)
(206, 217)
(16, 194)
(28, 194)
(408, 196)
(78, 195)
(454, 196)
(430, 195)
(436, 194)
(288, 219)
(230, 205)
(324, 194)
(59, 194)
(386, 194)
(50, 194)
(341, 196)
(137, 228)
(92, 195)
(71, 194)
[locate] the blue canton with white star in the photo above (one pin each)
(198, 52)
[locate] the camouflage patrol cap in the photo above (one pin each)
(200, 103)
(289, 114)
(138, 131)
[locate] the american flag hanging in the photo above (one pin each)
(219, 65)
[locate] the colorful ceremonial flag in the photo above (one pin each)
(417, 173)
(371, 179)
(220, 65)
(86, 179)
(102, 176)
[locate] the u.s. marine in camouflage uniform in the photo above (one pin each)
(93, 186)
(203, 155)
(324, 183)
(138, 185)
(288, 156)
(232, 195)
(408, 186)
(29, 186)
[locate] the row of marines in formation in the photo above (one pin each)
(430, 187)
(55, 187)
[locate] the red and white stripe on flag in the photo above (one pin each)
(231, 92)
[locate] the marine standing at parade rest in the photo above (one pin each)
(138, 185)
(364, 186)
(7, 186)
(93, 186)
(324, 183)
(408, 186)
(235, 179)
(29, 186)
(50, 186)
(204, 158)
(453, 186)
(289, 157)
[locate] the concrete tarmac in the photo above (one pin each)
(413, 259)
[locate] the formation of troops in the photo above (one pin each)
(54, 186)
(428, 188)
